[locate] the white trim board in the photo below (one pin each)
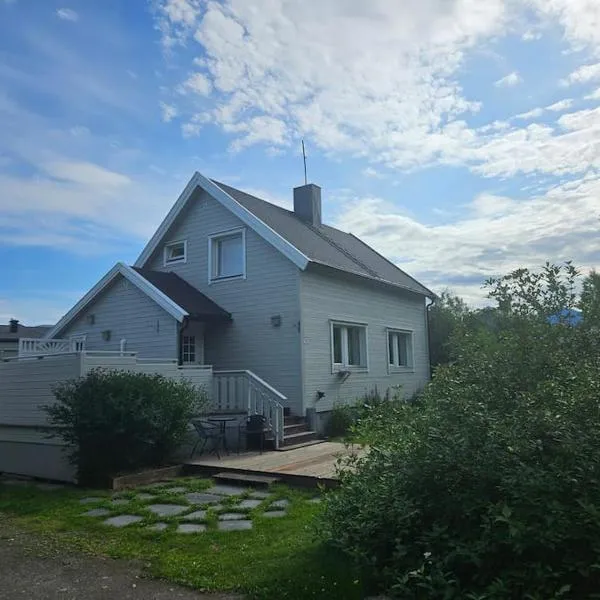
(133, 277)
(262, 229)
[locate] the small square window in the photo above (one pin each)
(188, 349)
(228, 255)
(175, 252)
(349, 345)
(400, 349)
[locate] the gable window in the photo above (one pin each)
(400, 354)
(348, 345)
(175, 252)
(188, 349)
(227, 255)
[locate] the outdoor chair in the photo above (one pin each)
(208, 432)
(255, 429)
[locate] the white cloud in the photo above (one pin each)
(583, 74)
(199, 84)
(372, 173)
(595, 95)
(560, 105)
(67, 14)
(168, 112)
(530, 35)
(510, 80)
(498, 235)
(531, 114)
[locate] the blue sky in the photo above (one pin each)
(458, 137)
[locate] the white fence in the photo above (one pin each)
(26, 443)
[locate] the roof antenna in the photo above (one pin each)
(304, 157)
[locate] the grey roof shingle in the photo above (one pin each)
(194, 302)
(23, 331)
(326, 245)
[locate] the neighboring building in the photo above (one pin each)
(10, 334)
(236, 282)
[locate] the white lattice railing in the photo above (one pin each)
(244, 391)
(36, 347)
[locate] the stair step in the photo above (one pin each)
(295, 428)
(252, 480)
(301, 445)
(298, 438)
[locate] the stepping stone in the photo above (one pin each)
(123, 520)
(96, 512)
(167, 510)
(90, 500)
(273, 514)
(143, 497)
(200, 498)
(175, 490)
(231, 516)
(315, 500)
(249, 503)
(158, 527)
(234, 525)
(120, 501)
(283, 503)
(198, 515)
(227, 490)
(190, 528)
(259, 494)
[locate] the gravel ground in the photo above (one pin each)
(31, 568)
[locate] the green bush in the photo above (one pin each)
(489, 486)
(117, 421)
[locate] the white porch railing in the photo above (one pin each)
(246, 392)
(35, 347)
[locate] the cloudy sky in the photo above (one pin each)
(460, 138)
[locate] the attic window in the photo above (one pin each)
(175, 252)
(227, 255)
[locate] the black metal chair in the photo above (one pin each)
(255, 429)
(208, 431)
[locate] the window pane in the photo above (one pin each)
(354, 346)
(175, 252)
(188, 349)
(403, 350)
(337, 344)
(230, 256)
(391, 343)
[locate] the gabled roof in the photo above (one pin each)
(167, 292)
(23, 331)
(194, 302)
(300, 241)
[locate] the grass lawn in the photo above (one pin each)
(278, 558)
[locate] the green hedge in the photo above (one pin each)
(117, 421)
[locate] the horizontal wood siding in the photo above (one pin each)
(128, 314)
(325, 298)
(271, 288)
(26, 385)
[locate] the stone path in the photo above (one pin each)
(183, 508)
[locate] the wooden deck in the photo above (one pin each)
(308, 466)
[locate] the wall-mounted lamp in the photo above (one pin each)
(106, 335)
(320, 395)
(276, 320)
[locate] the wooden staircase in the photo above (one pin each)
(296, 433)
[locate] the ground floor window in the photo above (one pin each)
(349, 345)
(399, 349)
(188, 349)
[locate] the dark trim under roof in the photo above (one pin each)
(198, 306)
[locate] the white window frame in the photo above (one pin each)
(189, 362)
(392, 366)
(213, 239)
(175, 261)
(344, 366)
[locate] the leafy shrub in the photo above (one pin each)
(116, 421)
(489, 486)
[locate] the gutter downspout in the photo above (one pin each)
(427, 308)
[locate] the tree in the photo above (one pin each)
(445, 315)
